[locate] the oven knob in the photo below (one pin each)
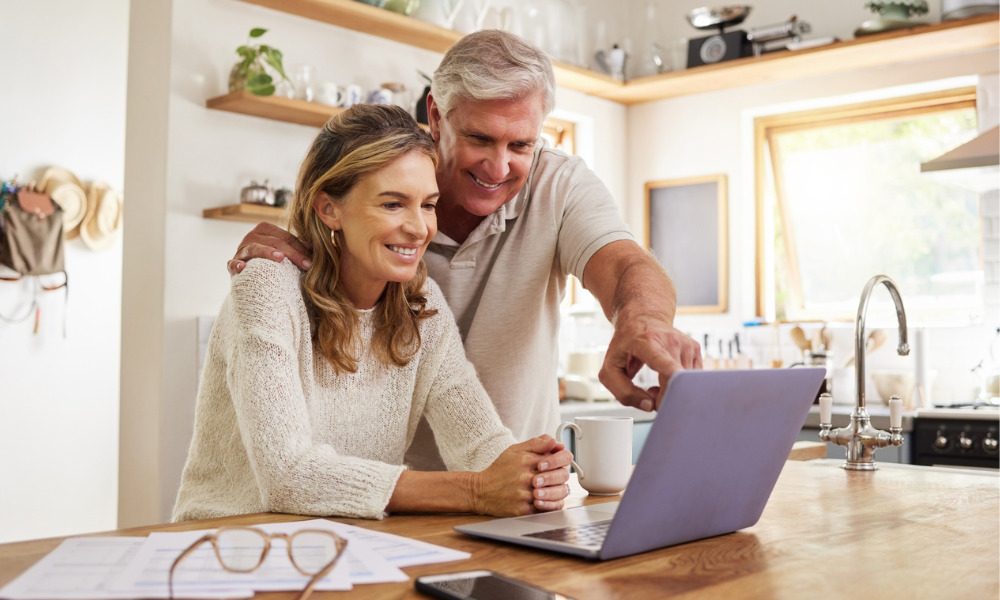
(990, 443)
(965, 442)
(940, 442)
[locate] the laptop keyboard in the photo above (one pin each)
(585, 534)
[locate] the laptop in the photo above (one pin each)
(707, 468)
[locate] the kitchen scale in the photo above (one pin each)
(725, 45)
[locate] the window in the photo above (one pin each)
(560, 134)
(840, 198)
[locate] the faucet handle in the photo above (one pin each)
(895, 412)
(825, 408)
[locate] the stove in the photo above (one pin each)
(961, 436)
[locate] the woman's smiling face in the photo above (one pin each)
(386, 220)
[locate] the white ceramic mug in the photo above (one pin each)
(603, 457)
(331, 94)
(352, 95)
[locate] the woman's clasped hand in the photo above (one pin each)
(539, 465)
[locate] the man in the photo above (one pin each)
(514, 219)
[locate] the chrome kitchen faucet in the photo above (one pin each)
(860, 437)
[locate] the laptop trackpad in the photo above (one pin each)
(569, 517)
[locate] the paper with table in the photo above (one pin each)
(119, 568)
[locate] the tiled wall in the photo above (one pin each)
(990, 222)
(951, 353)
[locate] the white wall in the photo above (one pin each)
(204, 157)
(63, 104)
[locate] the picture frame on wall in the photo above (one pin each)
(687, 230)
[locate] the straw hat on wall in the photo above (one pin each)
(66, 190)
(103, 220)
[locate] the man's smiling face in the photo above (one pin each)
(485, 149)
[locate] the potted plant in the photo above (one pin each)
(250, 73)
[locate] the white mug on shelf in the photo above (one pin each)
(603, 457)
(380, 96)
(353, 94)
(330, 94)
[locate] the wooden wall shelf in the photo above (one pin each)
(247, 213)
(899, 46)
(276, 108)
(361, 17)
(902, 45)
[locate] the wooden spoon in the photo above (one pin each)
(874, 341)
(824, 339)
(800, 339)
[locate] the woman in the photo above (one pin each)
(314, 383)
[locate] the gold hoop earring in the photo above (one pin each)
(333, 237)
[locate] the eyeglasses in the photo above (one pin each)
(242, 549)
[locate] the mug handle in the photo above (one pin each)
(579, 436)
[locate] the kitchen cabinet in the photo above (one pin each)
(640, 431)
(901, 45)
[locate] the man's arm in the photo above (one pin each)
(270, 241)
(639, 299)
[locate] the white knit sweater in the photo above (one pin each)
(277, 430)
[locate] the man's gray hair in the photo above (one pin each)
(493, 65)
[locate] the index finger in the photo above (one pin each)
(615, 375)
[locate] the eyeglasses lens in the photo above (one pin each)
(313, 550)
(240, 549)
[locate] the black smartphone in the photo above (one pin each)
(482, 585)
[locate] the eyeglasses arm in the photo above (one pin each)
(307, 591)
(183, 555)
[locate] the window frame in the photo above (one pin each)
(766, 127)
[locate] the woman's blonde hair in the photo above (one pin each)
(353, 144)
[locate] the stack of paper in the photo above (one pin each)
(120, 568)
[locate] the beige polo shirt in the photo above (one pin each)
(505, 282)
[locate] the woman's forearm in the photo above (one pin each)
(525, 478)
(433, 491)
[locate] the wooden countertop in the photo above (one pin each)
(903, 531)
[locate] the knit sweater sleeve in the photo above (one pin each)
(265, 375)
(469, 433)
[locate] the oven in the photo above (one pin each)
(956, 437)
